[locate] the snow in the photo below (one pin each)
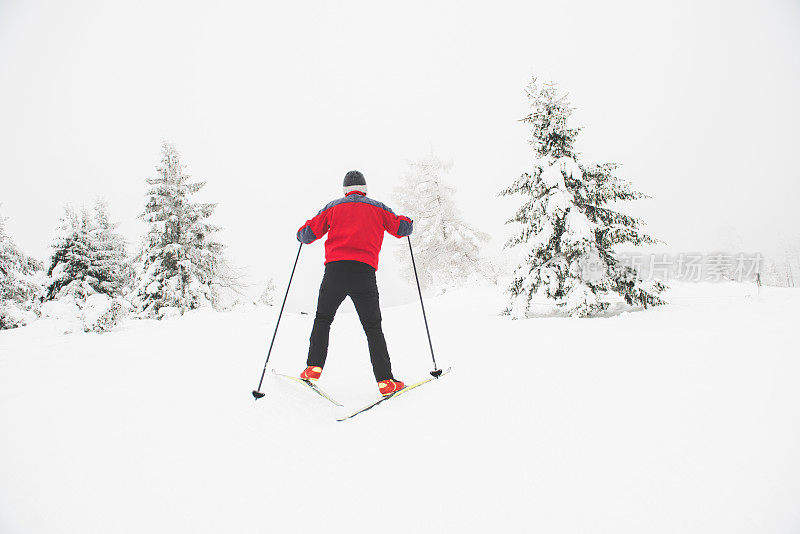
(68, 314)
(165, 312)
(682, 418)
(569, 167)
(96, 306)
(63, 314)
(551, 176)
(577, 228)
(558, 200)
(581, 297)
(14, 314)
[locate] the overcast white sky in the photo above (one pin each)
(272, 102)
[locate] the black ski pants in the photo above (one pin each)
(356, 280)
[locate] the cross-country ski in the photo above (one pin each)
(310, 385)
(392, 395)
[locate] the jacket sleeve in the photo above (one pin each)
(397, 225)
(314, 228)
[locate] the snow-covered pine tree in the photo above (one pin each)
(73, 256)
(86, 271)
(19, 289)
(180, 260)
(109, 266)
(446, 248)
(569, 228)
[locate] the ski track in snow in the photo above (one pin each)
(682, 418)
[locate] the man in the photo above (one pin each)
(355, 226)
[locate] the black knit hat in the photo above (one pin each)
(354, 181)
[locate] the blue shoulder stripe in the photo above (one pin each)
(360, 199)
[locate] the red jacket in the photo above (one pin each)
(355, 226)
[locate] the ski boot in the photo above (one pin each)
(311, 373)
(387, 387)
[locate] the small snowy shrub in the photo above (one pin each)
(13, 315)
(165, 312)
(267, 298)
(65, 312)
(102, 313)
(79, 308)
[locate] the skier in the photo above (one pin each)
(355, 226)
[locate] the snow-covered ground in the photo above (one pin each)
(684, 418)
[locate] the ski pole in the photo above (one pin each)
(436, 371)
(257, 392)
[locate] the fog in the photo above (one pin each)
(271, 103)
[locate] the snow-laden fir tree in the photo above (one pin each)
(568, 222)
(109, 266)
(88, 255)
(446, 248)
(86, 272)
(19, 287)
(73, 256)
(180, 260)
